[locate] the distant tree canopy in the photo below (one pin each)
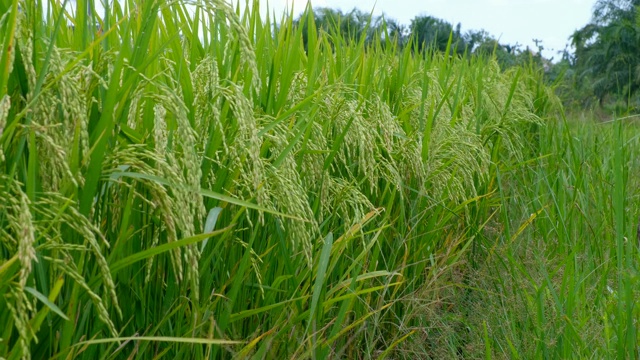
(606, 62)
(424, 32)
(352, 25)
(428, 31)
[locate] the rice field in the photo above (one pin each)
(182, 179)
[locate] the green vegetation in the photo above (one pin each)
(604, 71)
(424, 33)
(182, 180)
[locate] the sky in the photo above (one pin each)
(512, 21)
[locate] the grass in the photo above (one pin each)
(565, 286)
(188, 181)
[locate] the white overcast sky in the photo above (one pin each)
(513, 21)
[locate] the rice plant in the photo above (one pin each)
(186, 180)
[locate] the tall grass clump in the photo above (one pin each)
(563, 282)
(183, 179)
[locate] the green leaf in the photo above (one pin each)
(246, 313)
(210, 224)
(145, 254)
(203, 192)
(320, 274)
(169, 339)
(46, 301)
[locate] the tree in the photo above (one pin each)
(352, 26)
(391, 30)
(356, 26)
(428, 31)
(607, 50)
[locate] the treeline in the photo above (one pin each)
(424, 32)
(603, 71)
(599, 70)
